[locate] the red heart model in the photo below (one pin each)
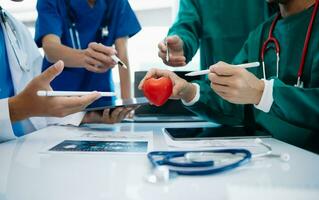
(158, 90)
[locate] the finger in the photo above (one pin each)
(177, 64)
(174, 61)
(220, 88)
(222, 91)
(102, 58)
(162, 47)
(156, 73)
(131, 113)
(220, 80)
(106, 116)
(123, 114)
(223, 69)
(95, 69)
(177, 59)
(102, 48)
(172, 40)
(92, 61)
(52, 72)
(151, 73)
(162, 55)
(115, 114)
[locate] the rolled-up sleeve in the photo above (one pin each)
(49, 20)
(123, 21)
(6, 131)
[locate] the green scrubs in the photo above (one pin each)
(218, 27)
(294, 115)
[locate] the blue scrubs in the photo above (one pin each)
(53, 19)
(6, 85)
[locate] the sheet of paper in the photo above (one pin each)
(203, 144)
(105, 142)
(101, 146)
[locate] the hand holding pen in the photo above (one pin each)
(99, 58)
(171, 51)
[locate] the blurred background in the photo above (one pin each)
(155, 16)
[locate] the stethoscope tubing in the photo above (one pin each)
(272, 39)
(14, 42)
(168, 154)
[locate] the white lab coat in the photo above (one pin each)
(21, 78)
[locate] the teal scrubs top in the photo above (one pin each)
(294, 115)
(218, 28)
(53, 18)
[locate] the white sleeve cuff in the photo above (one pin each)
(6, 131)
(196, 98)
(267, 97)
(73, 119)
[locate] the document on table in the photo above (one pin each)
(209, 143)
(106, 142)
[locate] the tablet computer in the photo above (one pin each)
(106, 102)
(218, 132)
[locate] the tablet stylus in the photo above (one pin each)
(204, 72)
(43, 93)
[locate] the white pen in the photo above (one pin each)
(207, 71)
(118, 61)
(167, 51)
(44, 93)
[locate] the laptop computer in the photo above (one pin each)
(171, 111)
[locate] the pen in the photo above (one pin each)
(44, 93)
(118, 61)
(207, 71)
(167, 51)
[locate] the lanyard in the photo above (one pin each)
(272, 39)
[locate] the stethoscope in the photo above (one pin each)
(20, 55)
(169, 164)
(272, 39)
(73, 32)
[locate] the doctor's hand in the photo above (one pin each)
(236, 85)
(175, 49)
(28, 104)
(181, 88)
(97, 58)
(108, 116)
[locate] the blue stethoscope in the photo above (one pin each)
(169, 164)
(192, 166)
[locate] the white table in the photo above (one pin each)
(26, 173)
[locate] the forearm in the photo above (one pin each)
(125, 81)
(18, 110)
(125, 76)
(71, 57)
